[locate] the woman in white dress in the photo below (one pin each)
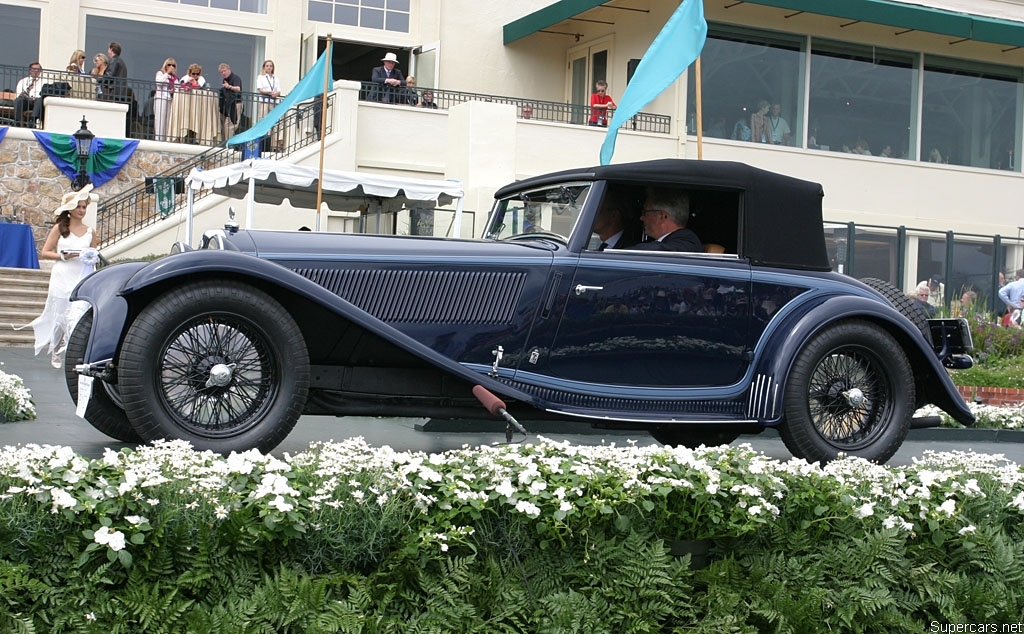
(166, 79)
(72, 244)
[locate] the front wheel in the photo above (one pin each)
(850, 391)
(219, 364)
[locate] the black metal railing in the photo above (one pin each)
(193, 116)
(525, 108)
(129, 211)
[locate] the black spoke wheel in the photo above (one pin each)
(104, 411)
(850, 391)
(679, 436)
(219, 364)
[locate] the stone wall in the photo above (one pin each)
(31, 186)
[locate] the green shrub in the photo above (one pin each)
(544, 537)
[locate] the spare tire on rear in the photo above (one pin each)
(902, 303)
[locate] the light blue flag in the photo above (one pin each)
(675, 48)
(308, 87)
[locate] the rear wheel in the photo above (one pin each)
(104, 411)
(219, 364)
(850, 391)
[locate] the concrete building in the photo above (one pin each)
(911, 115)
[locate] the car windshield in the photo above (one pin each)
(548, 210)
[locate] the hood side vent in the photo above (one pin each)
(448, 297)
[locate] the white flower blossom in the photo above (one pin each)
(866, 510)
(106, 537)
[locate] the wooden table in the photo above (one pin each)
(195, 117)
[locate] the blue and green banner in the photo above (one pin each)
(106, 157)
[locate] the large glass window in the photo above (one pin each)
(145, 45)
(742, 69)
(971, 114)
(19, 36)
(861, 100)
(386, 15)
(246, 6)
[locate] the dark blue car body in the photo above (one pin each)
(693, 347)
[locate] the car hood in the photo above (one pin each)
(308, 246)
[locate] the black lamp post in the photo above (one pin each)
(83, 144)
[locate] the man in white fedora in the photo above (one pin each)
(387, 80)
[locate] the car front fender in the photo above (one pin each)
(779, 347)
(103, 291)
(148, 282)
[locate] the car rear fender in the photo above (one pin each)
(782, 341)
(150, 281)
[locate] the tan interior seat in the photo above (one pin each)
(711, 247)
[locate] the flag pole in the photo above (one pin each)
(328, 75)
(700, 118)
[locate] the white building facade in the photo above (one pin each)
(911, 115)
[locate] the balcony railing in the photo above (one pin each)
(534, 109)
(194, 118)
(129, 211)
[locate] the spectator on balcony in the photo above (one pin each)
(194, 78)
(99, 64)
(230, 100)
(269, 87)
(601, 104)
(77, 63)
(388, 80)
(28, 97)
(427, 101)
(741, 129)
(166, 80)
(410, 97)
(759, 130)
(527, 112)
(115, 76)
(778, 128)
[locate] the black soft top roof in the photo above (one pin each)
(780, 216)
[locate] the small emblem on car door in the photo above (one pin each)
(534, 356)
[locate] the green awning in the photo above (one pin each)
(887, 12)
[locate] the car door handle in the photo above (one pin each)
(580, 289)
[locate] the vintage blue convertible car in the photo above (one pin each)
(227, 345)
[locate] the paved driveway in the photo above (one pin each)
(58, 425)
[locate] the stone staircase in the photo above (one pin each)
(22, 298)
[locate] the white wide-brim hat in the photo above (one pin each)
(389, 57)
(71, 199)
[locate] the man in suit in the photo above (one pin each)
(665, 214)
(387, 79)
(115, 77)
(610, 224)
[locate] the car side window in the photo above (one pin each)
(714, 217)
(617, 223)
